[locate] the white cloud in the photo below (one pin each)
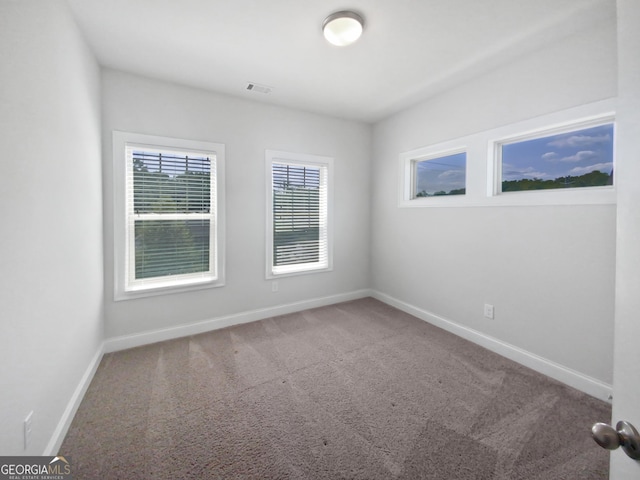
(511, 173)
(549, 156)
(581, 156)
(580, 140)
(603, 167)
(451, 175)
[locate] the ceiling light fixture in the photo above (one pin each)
(342, 28)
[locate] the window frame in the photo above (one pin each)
(124, 222)
(408, 173)
(435, 156)
(326, 227)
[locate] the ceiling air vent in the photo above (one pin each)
(256, 87)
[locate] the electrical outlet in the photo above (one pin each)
(27, 429)
(274, 286)
(488, 311)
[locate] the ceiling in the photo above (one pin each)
(410, 49)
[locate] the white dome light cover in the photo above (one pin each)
(343, 28)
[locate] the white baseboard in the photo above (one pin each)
(568, 376)
(129, 341)
(145, 338)
(577, 380)
(60, 432)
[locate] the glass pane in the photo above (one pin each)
(171, 247)
(441, 176)
(582, 158)
(296, 214)
(170, 183)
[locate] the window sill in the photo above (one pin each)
(271, 275)
(153, 291)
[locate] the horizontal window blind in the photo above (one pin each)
(171, 216)
(170, 183)
(299, 216)
(171, 247)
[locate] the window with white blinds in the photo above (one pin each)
(298, 228)
(171, 215)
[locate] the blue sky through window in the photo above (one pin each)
(441, 174)
(567, 154)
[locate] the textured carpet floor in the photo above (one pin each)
(357, 390)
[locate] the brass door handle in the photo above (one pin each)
(624, 435)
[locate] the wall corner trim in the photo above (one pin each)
(144, 338)
(62, 428)
(568, 376)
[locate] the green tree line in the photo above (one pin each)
(595, 178)
(457, 191)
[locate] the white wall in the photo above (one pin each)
(136, 104)
(549, 270)
(51, 282)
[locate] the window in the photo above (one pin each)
(441, 175)
(168, 213)
(561, 158)
(430, 176)
(298, 213)
(569, 158)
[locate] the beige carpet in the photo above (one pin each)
(357, 390)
